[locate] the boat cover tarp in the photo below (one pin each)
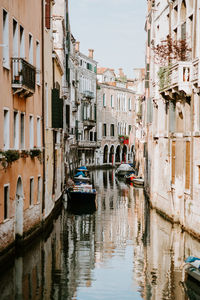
(194, 261)
(124, 167)
(80, 174)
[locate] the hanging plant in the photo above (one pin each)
(24, 153)
(35, 152)
(8, 157)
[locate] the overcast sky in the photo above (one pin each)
(113, 28)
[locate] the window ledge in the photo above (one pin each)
(187, 192)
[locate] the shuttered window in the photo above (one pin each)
(57, 110)
(173, 161)
(187, 166)
(48, 14)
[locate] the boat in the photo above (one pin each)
(192, 268)
(129, 177)
(138, 181)
(82, 175)
(81, 193)
(124, 169)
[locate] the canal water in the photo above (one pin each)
(120, 250)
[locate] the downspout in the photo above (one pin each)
(192, 101)
(43, 115)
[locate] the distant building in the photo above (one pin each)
(115, 118)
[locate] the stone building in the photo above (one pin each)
(115, 118)
(82, 101)
(172, 108)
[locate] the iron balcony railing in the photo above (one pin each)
(88, 94)
(23, 76)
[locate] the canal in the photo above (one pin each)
(122, 250)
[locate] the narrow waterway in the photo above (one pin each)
(122, 250)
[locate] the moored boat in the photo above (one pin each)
(81, 192)
(82, 175)
(124, 169)
(138, 181)
(129, 177)
(192, 268)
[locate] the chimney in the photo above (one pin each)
(121, 73)
(77, 45)
(91, 52)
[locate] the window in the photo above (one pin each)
(187, 166)
(173, 161)
(129, 103)
(22, 43)
(39, 191)
(38, 133)
(111, 101)
(6, 201)
(104, 129)
(47, 104)
(30, 49)
(129, 129)
(22, 136)
(31, 137)
(91, 136)
(16, 130)
(198, 174)
(112, 130)
(172, 117)
(5, 40)
(37, 62)
(104, 100)
(6, 133)
(48, 14)
(15, 39)
(31, 191)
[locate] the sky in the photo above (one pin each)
(114, 29)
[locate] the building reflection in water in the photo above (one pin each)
(124, 231)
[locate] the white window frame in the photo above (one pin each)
(30, 48)
(5, 39)
(22, 142)
(38, 132)
(7, 200)
(31, 131)
(22, 42)
(37, 62)
(47, 104)
(16, 129)
(31, 191)
(15, 39)
(6, 124)
(104, 100)
(39, 189)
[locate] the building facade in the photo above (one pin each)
(172, 110)
(21, 114)
(115, 118)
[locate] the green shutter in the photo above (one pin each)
(57, 110)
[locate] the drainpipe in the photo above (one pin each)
(192, 101)
(43, 115)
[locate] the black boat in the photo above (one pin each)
(81, 193)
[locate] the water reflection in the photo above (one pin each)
(119, 249)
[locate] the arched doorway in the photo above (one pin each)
(124, 153)
(19, 208)
(111, 155)
(117, 154)
(105, 154)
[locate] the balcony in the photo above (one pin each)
(196, 73)
(87, 145)
(23, 77)
(88, 95)
(176, 79)
(89, 123)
